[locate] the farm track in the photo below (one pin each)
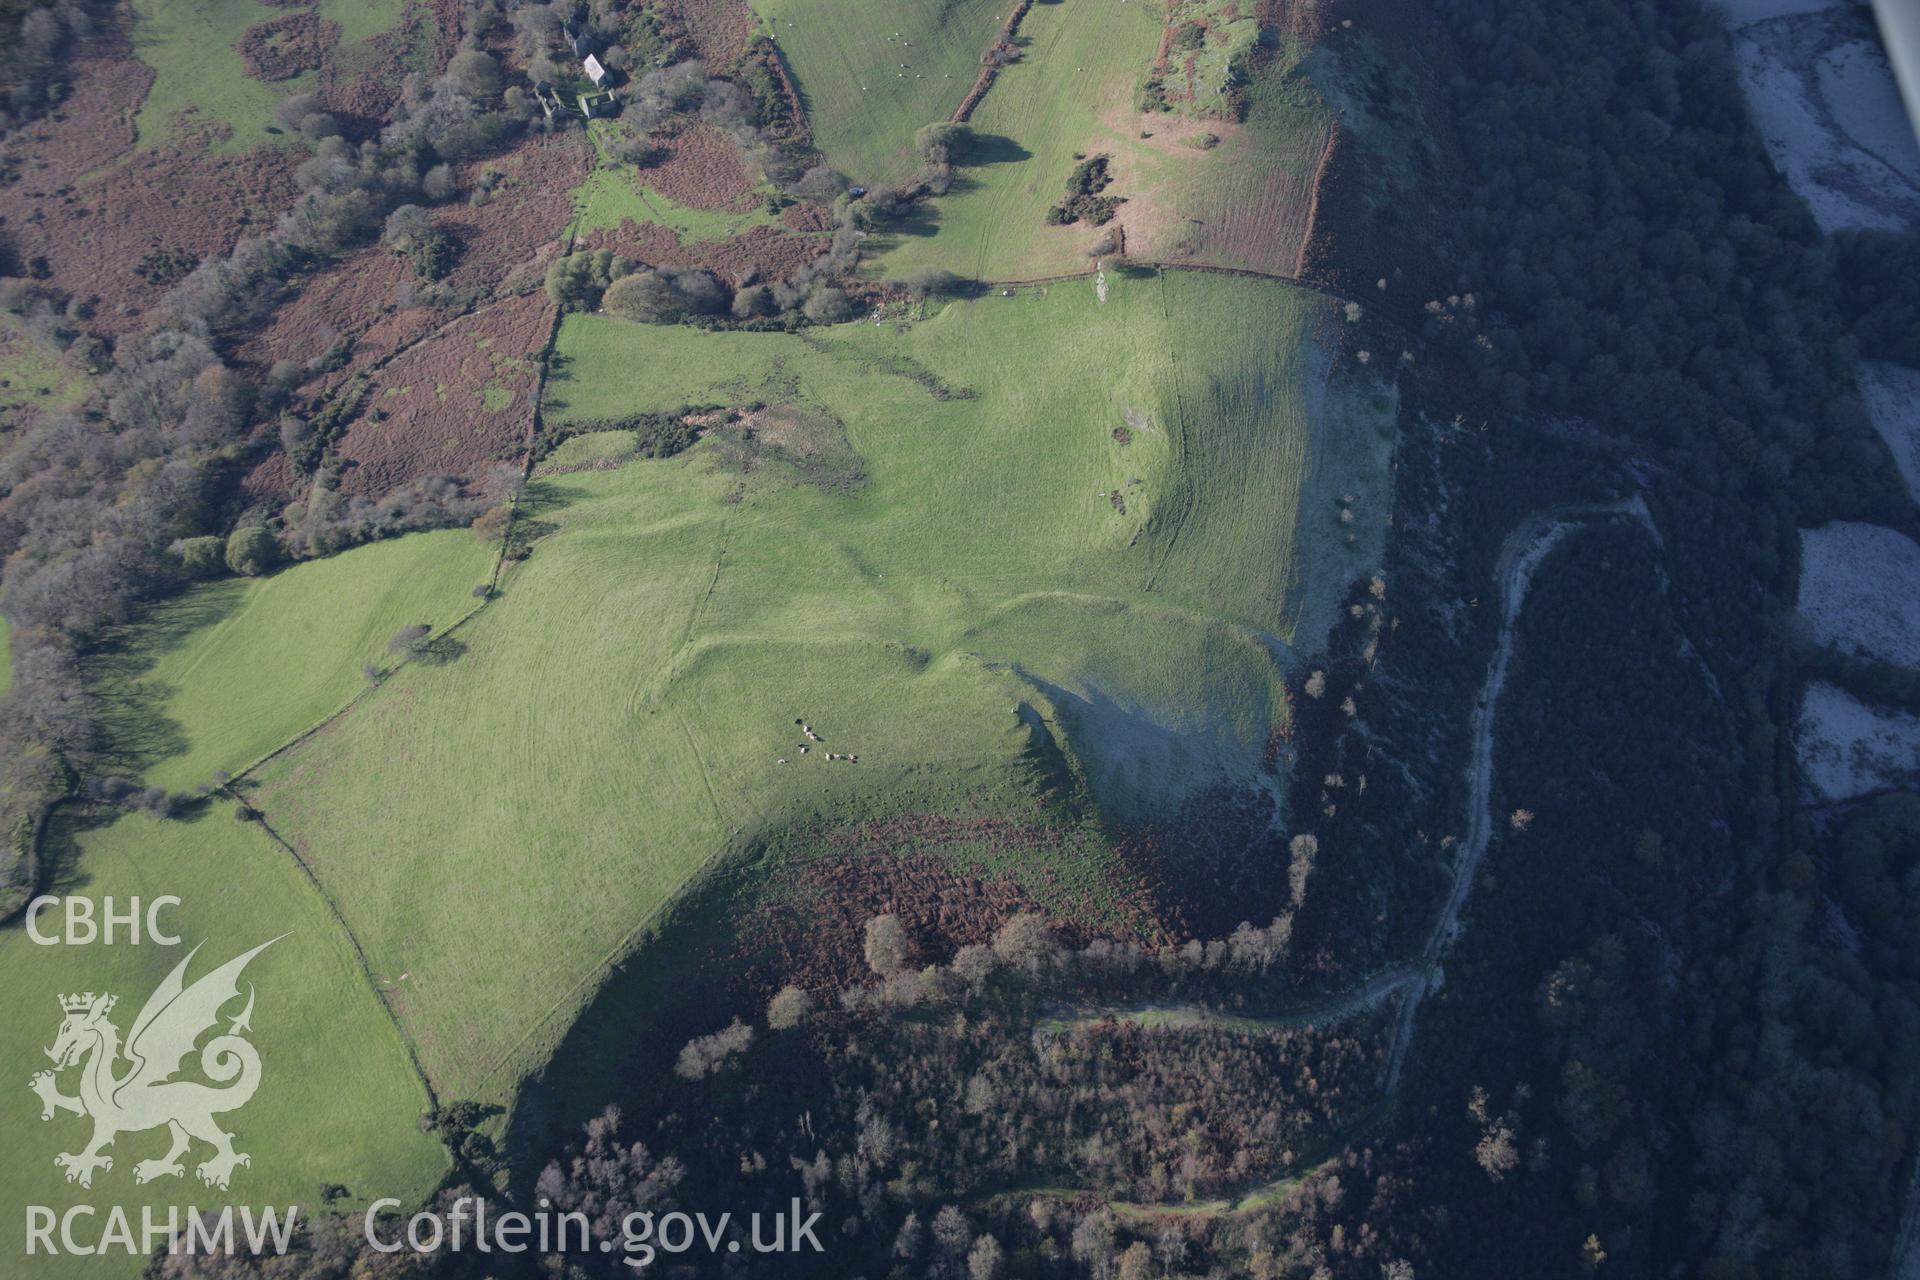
(1379, 988)
(1525, 549)
(1408, 980)
(1368, 995)
(1521, 555)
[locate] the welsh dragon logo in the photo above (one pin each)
(145, 1095)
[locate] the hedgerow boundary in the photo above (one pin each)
(231, 790)
(542, 364)
(655, 917)
(353, 940)
(991, 63)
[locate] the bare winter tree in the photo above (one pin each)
(409, 640)
(888, 948)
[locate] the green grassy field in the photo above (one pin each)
(212, 680)
(592, 447)
(1243, 202)
(190, 46)
(905, 572)
(610, 195)
(1071, 92)
(1248, 202)
(33, 378)
(1211, 47)
(614, 193)
(864, 105)
(1165, 354)
(338, 1098)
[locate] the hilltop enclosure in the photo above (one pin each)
(904, 571)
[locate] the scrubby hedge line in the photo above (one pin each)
(659, 435)
(108, 506)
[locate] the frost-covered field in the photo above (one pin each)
(1824, 98)
(1850, 749)
(1860, 590)
(1892, 393)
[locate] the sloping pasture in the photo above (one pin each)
(916, 550)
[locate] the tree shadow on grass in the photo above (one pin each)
(922, 218)
(136, 730)
(994, 148)
(60, 849)
(544, 498)
(918, 223)
(440, 651)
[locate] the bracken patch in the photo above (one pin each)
(719, 29)
(702, 170)
(813, 935)
(94, 232)
(271, 481)
(504, 246)
(504, 243)
(91, 127)
(806, 217)
(354, 302)
(281, 48)
(452, 404)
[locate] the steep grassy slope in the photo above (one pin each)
(903, 571)
(1047, 557)
(338, 1099)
